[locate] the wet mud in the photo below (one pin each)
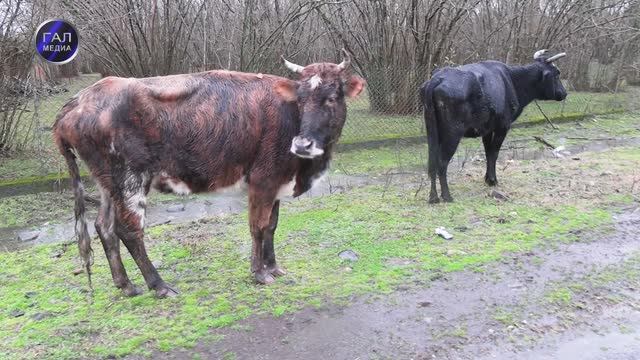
(456, 316)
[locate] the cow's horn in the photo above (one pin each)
(291, 66)
(539, 53)
(346, 61)
(556, 57)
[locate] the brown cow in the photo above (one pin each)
(199, 133)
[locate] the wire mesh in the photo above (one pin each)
(387, 114)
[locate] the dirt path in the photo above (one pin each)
(512, 310)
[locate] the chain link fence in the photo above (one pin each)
(387, 114)
(399, 115)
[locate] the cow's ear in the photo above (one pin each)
(544, 75)
(287, 89)
(354, 86)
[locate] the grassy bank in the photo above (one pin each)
(387, 225)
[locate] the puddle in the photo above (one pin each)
(38, 186)
(592, 346)
(521, 149)
(517, 149)
(203, 206)
(210, 205)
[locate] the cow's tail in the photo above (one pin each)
(81, 230)
(431, 123)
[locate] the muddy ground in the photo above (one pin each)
(509, 310)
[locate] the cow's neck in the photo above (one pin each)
(311, 170)
(524, 79)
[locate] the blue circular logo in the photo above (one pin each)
(57, 41)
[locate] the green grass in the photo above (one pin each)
(561, 296)
(212, 273)
(504, 316)
(208, 262)
(35, 209)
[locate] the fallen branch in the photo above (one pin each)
(544, 142)
(545, 116)
(590, 139)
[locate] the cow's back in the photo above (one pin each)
(206, 129)
(495, 86)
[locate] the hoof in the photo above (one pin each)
(165, 291)
(434, 200)
(491, 182)
(447, 199)
(263, 277)
(131, 290)
(276, 271)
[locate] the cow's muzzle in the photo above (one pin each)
(305, 148)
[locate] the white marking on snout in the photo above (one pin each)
(112, 148)
(315, 151)
(287, 189)
(312, 152)
(315, 81)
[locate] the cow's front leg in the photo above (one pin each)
(268, 252)
(261, 204)
(492, 144)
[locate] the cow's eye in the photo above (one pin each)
(331, 100)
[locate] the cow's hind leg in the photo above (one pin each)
(130, 216)
(433, 174)
(447, 149)
(105, 227)
(433, 141)
(268, 253)
(492, 144)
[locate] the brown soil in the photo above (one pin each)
(461, 315)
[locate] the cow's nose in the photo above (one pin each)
(302, 143)
(305, 148)
(300, 146)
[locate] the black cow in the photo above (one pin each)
(197, 133)
(481, 99)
